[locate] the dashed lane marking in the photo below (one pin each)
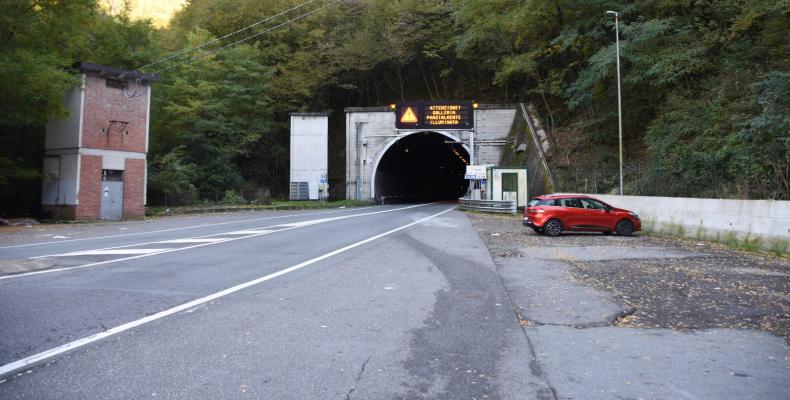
(181, 228)
(191, 240)
(26, 362)
(112, 252)
(249, 232)
(220, 240)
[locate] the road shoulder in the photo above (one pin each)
(645, 317)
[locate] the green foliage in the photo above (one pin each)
(213, 112)
(704, 84)
(233, 197)
(171, 173)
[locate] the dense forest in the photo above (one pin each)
(705, 85)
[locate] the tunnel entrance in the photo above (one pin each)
(423, 166)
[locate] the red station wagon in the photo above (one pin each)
(554, 214)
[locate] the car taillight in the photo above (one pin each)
(540, 210)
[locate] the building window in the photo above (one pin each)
(111, 175)
(116, 83)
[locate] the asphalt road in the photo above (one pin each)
(188, 308)
(393, 302)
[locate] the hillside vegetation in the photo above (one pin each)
(706, 87)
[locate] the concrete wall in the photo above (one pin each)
(762, 223)
(61, 179)
(370, 131)
(309, 150)
(64, 133)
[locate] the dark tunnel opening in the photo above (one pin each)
(425, 166)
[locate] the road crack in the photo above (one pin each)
(608, 321)
(359, 378)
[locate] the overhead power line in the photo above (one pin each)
(168, 58)
(204, 55)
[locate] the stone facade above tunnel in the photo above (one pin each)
(370, 131)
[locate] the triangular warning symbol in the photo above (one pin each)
(408, 117)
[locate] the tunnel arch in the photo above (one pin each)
(377, 183)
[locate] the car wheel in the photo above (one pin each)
(538, 230)
(624, 228)
(553, 227)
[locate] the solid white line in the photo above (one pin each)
(184, 227)
(25, 362)
(223, 240)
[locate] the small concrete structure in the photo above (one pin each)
(95, 158)
(309, 156)
(765, 223)
(370, 132)
(508, 184)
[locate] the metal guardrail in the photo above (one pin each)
(498, 206)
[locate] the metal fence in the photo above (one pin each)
(711, 179)
(497, 206)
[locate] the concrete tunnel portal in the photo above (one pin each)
(422, 166)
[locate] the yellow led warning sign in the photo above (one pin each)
(443, 114)
(409, 117)
(435, 115)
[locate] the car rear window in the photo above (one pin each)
(543, 202)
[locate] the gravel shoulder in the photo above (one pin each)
(645, 317)
(676, 284)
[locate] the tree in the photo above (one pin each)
(212, 112)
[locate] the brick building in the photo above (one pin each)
(95, 158)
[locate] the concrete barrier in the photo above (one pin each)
(752, 223)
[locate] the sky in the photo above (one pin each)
(159, 11)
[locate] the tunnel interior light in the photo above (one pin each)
(474, 105)
(392, 106)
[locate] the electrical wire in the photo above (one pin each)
(204, 55)
(168, 58)
(136, 92)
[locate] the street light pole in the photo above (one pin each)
(619, 100)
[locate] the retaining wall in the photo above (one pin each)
(758, 223)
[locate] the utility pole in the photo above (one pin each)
(619, 99)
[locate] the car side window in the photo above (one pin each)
(547, 202)
(570, 203)
(592, 204)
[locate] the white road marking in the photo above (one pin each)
(181, 228)
(249, 232)
(222, 240)
(191, 240)
(27, 361)
(112, 252)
